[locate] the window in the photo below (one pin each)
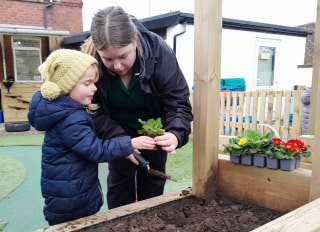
(27, 58)
(266, 66)
(266, 75)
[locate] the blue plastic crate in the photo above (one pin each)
(237, 119)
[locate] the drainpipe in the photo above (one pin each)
(3, 58)
(176, 35)
(45, 15)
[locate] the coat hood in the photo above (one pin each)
(44, 114)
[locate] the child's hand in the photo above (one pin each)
(132, 159)
(143, 142)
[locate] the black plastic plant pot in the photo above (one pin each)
(8, 85)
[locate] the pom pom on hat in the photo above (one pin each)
(50, 90)
(62, 70)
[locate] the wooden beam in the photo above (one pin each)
(305, 218)
(278, 190)
(315, 97)
(99, 219)
(207, 63)
(315, 76)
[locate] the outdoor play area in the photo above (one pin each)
(224, 196)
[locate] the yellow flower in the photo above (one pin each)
(243, 141)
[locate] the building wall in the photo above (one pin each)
(239, 59)
(238, 56)
(62, 15)
(65, 15)
(184, 49)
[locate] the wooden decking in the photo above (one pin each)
(15, 104)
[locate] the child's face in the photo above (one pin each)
(85, 88)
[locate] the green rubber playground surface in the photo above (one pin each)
(21, 208)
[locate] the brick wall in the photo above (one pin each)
(62, 15)
(308, 57)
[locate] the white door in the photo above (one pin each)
(267, 54)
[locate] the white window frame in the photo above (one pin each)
(38, 78)
(267, 43)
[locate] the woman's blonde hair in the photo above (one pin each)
(88, 47)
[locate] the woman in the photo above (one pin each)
(140, 78)
(305, 99)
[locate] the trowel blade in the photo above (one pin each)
(160, 174)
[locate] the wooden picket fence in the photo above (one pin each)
(280, 109)
(243, 110)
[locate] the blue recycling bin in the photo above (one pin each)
(233, 84)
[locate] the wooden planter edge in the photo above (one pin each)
(282, 191)
(103, 217)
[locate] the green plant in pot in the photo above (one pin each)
(253, 142)
(294, 148)
(151, 127)
(236, 146)
(257, 142)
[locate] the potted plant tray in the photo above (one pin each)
(288, 164)
(259, 160)
(273, 163)
(246, 159)
(235, 159)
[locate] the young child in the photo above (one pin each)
(71, 151)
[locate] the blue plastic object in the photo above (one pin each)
(237, 120)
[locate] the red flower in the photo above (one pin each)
(296, 142)
(304, 147)
(277, 141)
(288, 146)
(292, 146)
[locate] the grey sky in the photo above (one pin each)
(280, 12)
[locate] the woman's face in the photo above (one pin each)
(119, 59)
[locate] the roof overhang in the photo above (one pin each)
(76, 38)
(35, 31)
(167, 20)
(177, 17)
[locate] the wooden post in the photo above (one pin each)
(207, 51)
(315, 76)
(315, 97)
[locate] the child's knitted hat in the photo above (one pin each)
(62, 70)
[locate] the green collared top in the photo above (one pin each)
(128, 105)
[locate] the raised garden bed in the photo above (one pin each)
(254, 188)
(185, 214)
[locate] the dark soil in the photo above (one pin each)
(194, 214)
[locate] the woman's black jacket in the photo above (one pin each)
(164, 84)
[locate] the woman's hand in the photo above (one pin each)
(168, 142)
(142, 142)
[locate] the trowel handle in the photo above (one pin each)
(141, 160)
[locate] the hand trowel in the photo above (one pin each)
(153, 172)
